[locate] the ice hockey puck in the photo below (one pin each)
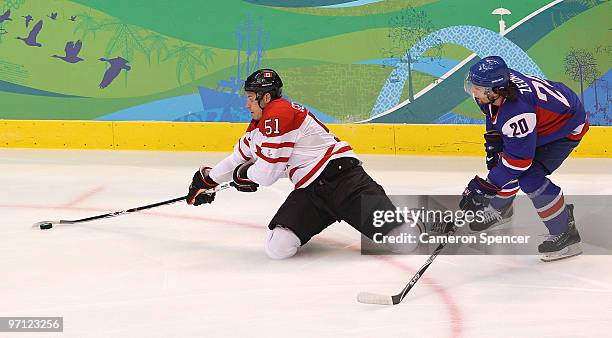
(46, 226)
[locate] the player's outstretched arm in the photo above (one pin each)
(223, 170)
(206, 178)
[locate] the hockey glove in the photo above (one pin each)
(478, 192)
(241, 181)
(201, 182)
(493, 146)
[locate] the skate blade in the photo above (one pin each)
(569, 251)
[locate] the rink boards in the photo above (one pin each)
(399, 139)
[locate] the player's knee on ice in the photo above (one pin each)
(281, 243)
(403, 231)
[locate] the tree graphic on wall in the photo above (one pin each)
(86, 25)
(157, 45)
(127, 39)
(406, 29)
(580, 66)
(189, 58)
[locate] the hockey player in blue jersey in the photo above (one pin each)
(532, 126)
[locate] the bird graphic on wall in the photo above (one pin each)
(72, 49)
(73, 18)
(53, 16)
(28, 18)
(116, 65)
(31, 39)
(6, 16)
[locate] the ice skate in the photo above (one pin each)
(563, 245)
(493, 218)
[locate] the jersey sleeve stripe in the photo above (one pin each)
(245, 141)
(516, 164)
(579, 132)
(278, 145)
(270, 159)
(242, 154)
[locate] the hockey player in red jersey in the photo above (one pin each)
(532, 126)
(285, 140)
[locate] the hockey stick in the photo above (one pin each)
(373, 298)
(45, 225)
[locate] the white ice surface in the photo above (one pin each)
(180, 271)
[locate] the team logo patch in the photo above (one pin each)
(267, 74)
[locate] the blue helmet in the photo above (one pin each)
(489, 72)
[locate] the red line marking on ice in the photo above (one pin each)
(455, 314)
(454, 311)
(80, 198)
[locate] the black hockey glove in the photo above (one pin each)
(241, 181)
(201, 181)
(493, 146)
(478, 192)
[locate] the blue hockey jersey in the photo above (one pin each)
(545, 111)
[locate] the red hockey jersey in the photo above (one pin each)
(288, 141)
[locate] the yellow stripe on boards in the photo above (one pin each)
(399, 139)
(182, 136)
(56, 134)
(440, 140)
(367, 138)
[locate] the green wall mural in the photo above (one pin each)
(348, 61)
